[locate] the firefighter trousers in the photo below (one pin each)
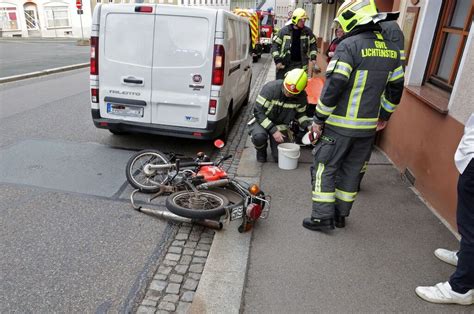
(260, 137)
(280, 74)
(338, 161)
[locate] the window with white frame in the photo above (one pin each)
(453, 31)
(57, 16)
(8, 18)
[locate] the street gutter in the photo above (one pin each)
(43, 72)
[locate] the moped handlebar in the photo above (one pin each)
(226, 157)
(223, 159)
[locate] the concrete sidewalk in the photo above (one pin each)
(373, 265)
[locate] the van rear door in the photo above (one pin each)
(125, 59)
(182, 66)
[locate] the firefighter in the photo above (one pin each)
(279, 103)
(275, 34)
(294, 45)
(364, 84)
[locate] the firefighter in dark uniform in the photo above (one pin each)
(279, 103)
(364, 84)
(294, 45)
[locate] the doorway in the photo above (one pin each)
(31, 18)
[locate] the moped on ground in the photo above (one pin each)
(198, 190)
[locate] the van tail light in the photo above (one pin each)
(94, 55)
(218, 66)
(254, 211)
(212, 106)
(95, 95)
(143, 9)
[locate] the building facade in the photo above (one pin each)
(424, 132)
(44, 18)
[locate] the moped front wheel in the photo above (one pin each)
(147, 180)
(197, 205)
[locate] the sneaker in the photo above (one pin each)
(447, 256)
(318, 224)
(442, 293)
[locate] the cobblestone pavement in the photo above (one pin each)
(175, 282)
(173, 286)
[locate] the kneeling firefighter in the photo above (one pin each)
(279, 103)
(364, 84)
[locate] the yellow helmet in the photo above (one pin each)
(356, 12)
(295, 81)
(297, 15)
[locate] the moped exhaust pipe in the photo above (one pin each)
(161, 213)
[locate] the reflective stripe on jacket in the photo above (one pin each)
(281, 48)
(364, 83)
(274, 111)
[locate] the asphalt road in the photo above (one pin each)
(69, 239)
(21, 56)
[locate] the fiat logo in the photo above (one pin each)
(197, 78)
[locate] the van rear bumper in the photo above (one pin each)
(212, 130)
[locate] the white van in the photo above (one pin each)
(168, 70)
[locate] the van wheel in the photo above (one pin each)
(228, 125)
(117, 132)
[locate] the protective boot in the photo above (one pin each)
(318, 224)
(262, 154)
(339, 221)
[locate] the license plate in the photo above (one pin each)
(125, 110)
(237, 213)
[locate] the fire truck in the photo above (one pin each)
(254, 20)
(267, 26)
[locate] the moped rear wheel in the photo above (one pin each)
(147, 182)
(197, 205)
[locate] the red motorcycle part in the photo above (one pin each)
(212, 173)
(254, 211)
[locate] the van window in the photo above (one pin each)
(181, 41)
(126, 44)
(244, 36)
(232, 37)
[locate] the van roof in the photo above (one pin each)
(196, 8)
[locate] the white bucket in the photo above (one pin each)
(288, 154)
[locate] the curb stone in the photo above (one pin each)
(43, 72)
